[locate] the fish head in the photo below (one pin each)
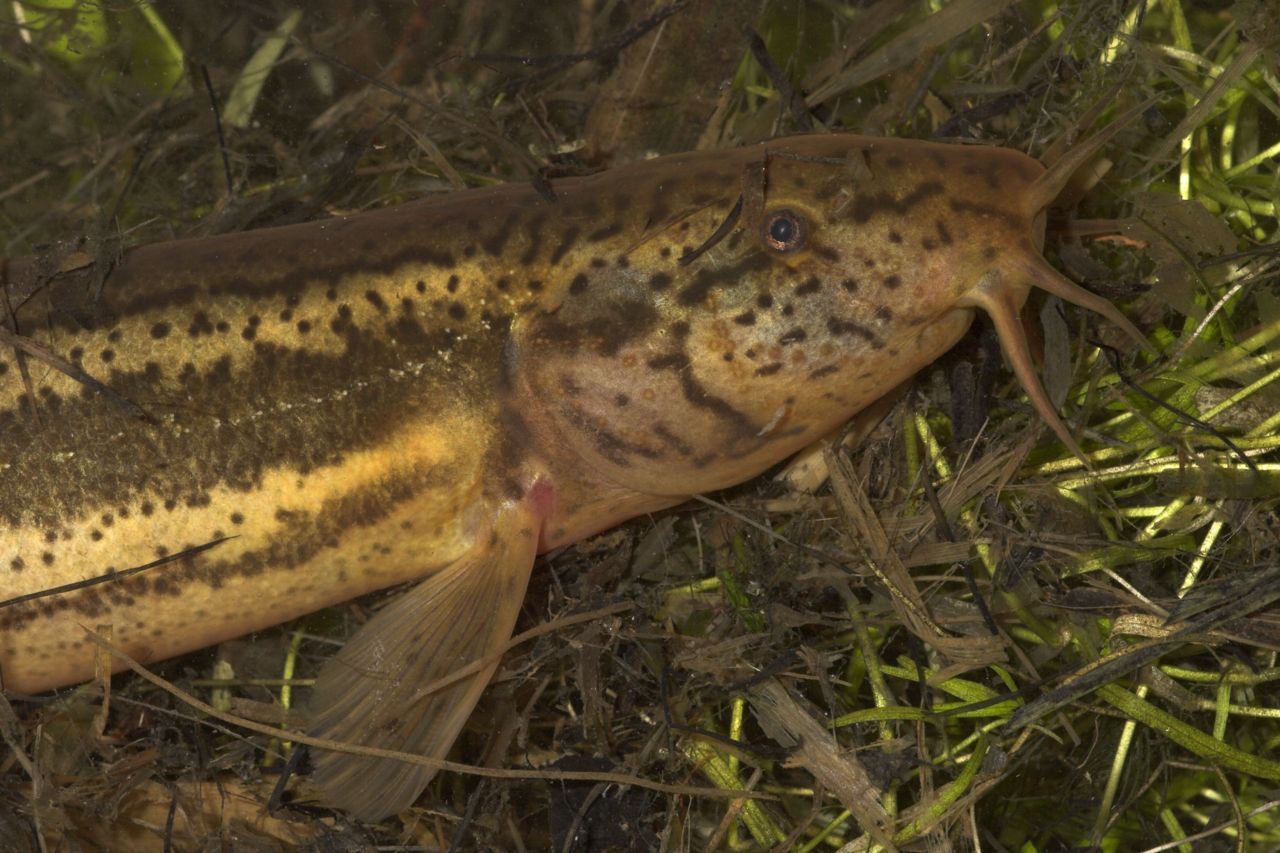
(790, 285)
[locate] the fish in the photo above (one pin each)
(206, 437)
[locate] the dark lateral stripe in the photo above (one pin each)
(867, 206)
(297, 545)
(190, 274)
(220, 443)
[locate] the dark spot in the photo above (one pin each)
(579, 283)
(699, 396)
(570, 387)
(836, 326)
(457, 311)
(769, 369)
(824, 371)
(788, 310)
(990, 252)
(622, 400)
(670, 361)
(895, 237)
(17, 564)
(200, 324)
(892, 282)
(706, 279)
(604, 233)
(95, 535)
(944, 236)
(160, 330)
(794, 336)
(660, 281)
(746, 318)
(147, 508)
(223, 327)
(811, 285)
(375, 299)
(494, 243)
(569, 237)
(850, 285)
(503, 283)
(670, 438)
(237, 518)
(883, 313)
(928, 244)
(764, 300)
(113, 337)
(286, 315)
(422, 285)
(304, 326)
(249, 332)
(108, 356)
(47, 558)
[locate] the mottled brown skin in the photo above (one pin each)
(350, 404)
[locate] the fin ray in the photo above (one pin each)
(1001, 304)
(393, 684)
(1047, 187)
(1050, 280)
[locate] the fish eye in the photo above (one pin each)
(784, 230)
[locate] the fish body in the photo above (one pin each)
(295, 416)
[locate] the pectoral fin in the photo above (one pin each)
(385, 689)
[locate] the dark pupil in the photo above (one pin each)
(782, 230)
